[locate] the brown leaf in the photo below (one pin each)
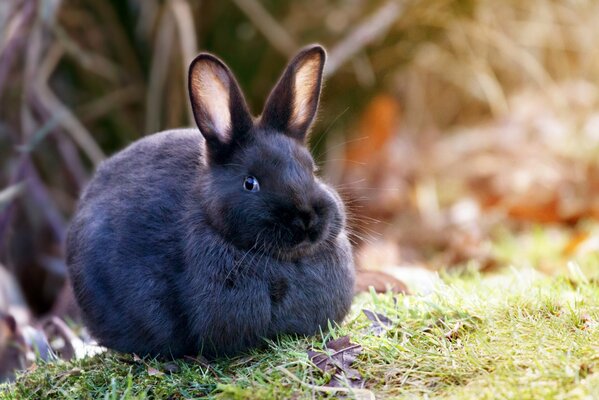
(239, 361)
(454, 332)
(66, 374)
(339, 344)
(588, 322)
(585, 370)
(322, 360)
(12, 349)
(575, 242)
(546, 211)
(171, 368)
(154, 372)
(62, 340)
(350, 377)
(345, 353)
(337, 361)
(380, 323)
(202, 361)
(379, 281)
(378, 124)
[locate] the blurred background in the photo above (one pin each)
(463, 134)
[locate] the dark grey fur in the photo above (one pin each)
(170, 256)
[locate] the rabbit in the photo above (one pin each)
(207, 242)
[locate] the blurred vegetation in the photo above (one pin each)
(446, 124)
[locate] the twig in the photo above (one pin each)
(7, 195)
(364, 71)
(20, 173)
(9, 50)
(28, 175)
(78, 132)
(15, 37)
(268, 26)
(364, 34)
(95, 63)
(159, 71)
(111, 101)
(202, 363)
(68, 151)
(46, 204)
(359, 393)
(8, 210)
(187, 37)
(114, 31)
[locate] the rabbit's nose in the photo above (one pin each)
(307, 219)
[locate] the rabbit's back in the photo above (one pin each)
(124, 245)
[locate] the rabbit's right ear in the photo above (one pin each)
(219, 109)
(293, 102)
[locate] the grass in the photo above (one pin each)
(517, 334)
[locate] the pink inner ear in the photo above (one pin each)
(210, 91)
(305, 91)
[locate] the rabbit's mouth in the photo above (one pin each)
(303, 242)
(298, 251)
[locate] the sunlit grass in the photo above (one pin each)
(519, 334)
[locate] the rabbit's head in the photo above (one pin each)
(258, 184)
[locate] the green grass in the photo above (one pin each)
(518, 334)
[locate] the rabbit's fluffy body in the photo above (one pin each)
(170, 255)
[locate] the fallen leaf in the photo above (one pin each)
(350, 377)
(585, 370)
(62, 340)
(575, 242)
(454, 332)
(338, 362)
(13, 352)
(379, 281)
(203, 362)
(378, 124)
(380, 323)
(66, 374)
(322, 360)
(588, 322)
(200, 360)
(237, 362)
(154, 372)
(171, 368)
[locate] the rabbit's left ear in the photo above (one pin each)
(218, 105)
(292, 104)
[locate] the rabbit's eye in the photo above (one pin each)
(251, 184)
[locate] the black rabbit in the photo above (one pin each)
(208, 241)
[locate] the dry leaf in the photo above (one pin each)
(337, 361)
(454, 332)
(588, 322)
(378, 123)
(379, 281)
(380, 323)
(154, 372)
(171, 368)
(12, 348)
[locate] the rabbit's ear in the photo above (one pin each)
(291, 106)
(219, 109)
